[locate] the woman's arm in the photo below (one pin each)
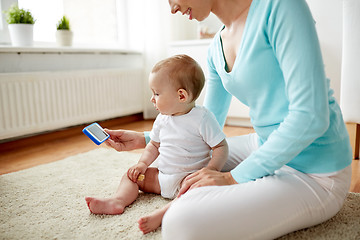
(292, 35)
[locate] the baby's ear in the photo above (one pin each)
(183, 95)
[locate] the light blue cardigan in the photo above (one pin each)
(279, 74)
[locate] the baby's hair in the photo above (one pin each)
(184, 72)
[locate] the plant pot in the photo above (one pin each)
(21, 35)
(64, 37)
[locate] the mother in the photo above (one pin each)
(295, 171)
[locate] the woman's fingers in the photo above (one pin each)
(191, 176)
(188, 182)
(206, 177)
(183, 190)
(113, 133)
(125, 140)
(111, 143)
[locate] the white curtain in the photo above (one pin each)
(149, 26)
(145, 26)
(157, 37)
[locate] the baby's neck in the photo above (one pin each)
(186, 109)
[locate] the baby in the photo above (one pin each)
(182, 138)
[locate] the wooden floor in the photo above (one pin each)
(32, 151)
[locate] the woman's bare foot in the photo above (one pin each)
(105, 205)
(151, 222)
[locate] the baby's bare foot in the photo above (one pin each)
(151, 222)
(105, 205)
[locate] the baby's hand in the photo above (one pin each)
(136, 171)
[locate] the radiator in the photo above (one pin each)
(41, 101)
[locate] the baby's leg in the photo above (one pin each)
(126, 194)
(153, 221)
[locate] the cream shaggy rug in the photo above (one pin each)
(47, 202)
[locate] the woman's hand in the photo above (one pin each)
(206, 177)
(125, 140)
(134, 172)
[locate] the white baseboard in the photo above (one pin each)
(238, 122)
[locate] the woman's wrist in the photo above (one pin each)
(229, 178)
(141, 139)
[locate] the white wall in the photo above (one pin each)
(328, 16)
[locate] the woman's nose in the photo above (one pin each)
(175, 8)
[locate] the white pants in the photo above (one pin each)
(263, 209)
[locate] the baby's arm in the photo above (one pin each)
(149, 155)
(219, 156)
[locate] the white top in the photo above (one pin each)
(186, 140)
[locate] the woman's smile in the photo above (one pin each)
(189, 13)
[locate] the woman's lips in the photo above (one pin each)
(189, 13)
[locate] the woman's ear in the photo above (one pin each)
(183, 95)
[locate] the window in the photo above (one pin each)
(46, 13)
(127, 24)
(4, 33)
(93, 22)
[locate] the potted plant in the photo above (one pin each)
(21, 25)
(64, 35)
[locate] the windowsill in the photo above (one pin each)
(53, 49)
(49, 57)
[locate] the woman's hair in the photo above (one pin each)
(184, 72)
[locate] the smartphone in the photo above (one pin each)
(96, 133)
